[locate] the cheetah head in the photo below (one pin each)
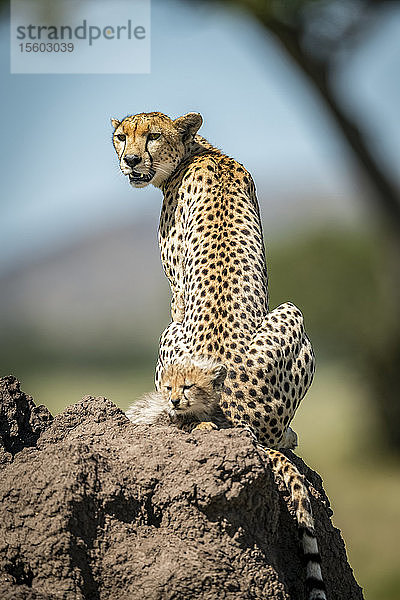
(150, 146)
(192, 389)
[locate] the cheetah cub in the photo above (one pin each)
(189, 397)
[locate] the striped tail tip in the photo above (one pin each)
(312, 558)
(316, 588)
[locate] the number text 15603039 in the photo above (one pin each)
(47, 47)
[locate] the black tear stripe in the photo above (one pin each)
(146, 150)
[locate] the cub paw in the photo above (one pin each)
(205, 426)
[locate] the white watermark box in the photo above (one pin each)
(80, 36)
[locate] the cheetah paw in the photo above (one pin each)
(205, 426)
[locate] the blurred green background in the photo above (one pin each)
(306, 95)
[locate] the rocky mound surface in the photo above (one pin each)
(92, 507)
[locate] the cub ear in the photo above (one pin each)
(188, 125)
(115, 123)
(219, 374)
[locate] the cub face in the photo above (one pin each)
(150, 146)
(192, 390)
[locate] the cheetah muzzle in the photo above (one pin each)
(136, 178)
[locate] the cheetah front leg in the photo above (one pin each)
(172, 348)
(178, 306)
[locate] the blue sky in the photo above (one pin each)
(60, 177)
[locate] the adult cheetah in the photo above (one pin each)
(212, 251)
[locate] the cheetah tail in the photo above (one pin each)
(282, 467)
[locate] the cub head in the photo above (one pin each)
(150, 146)
(192, 389)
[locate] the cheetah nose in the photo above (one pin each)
(132, 160)
(175, 402)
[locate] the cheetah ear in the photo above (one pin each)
(188, 125)
(219, 374)
(115, 123)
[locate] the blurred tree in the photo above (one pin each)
(319, 35)
(335, 279)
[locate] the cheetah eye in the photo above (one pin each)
(121, 137)
(187, 387)
(168, 388)
(153, 136)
